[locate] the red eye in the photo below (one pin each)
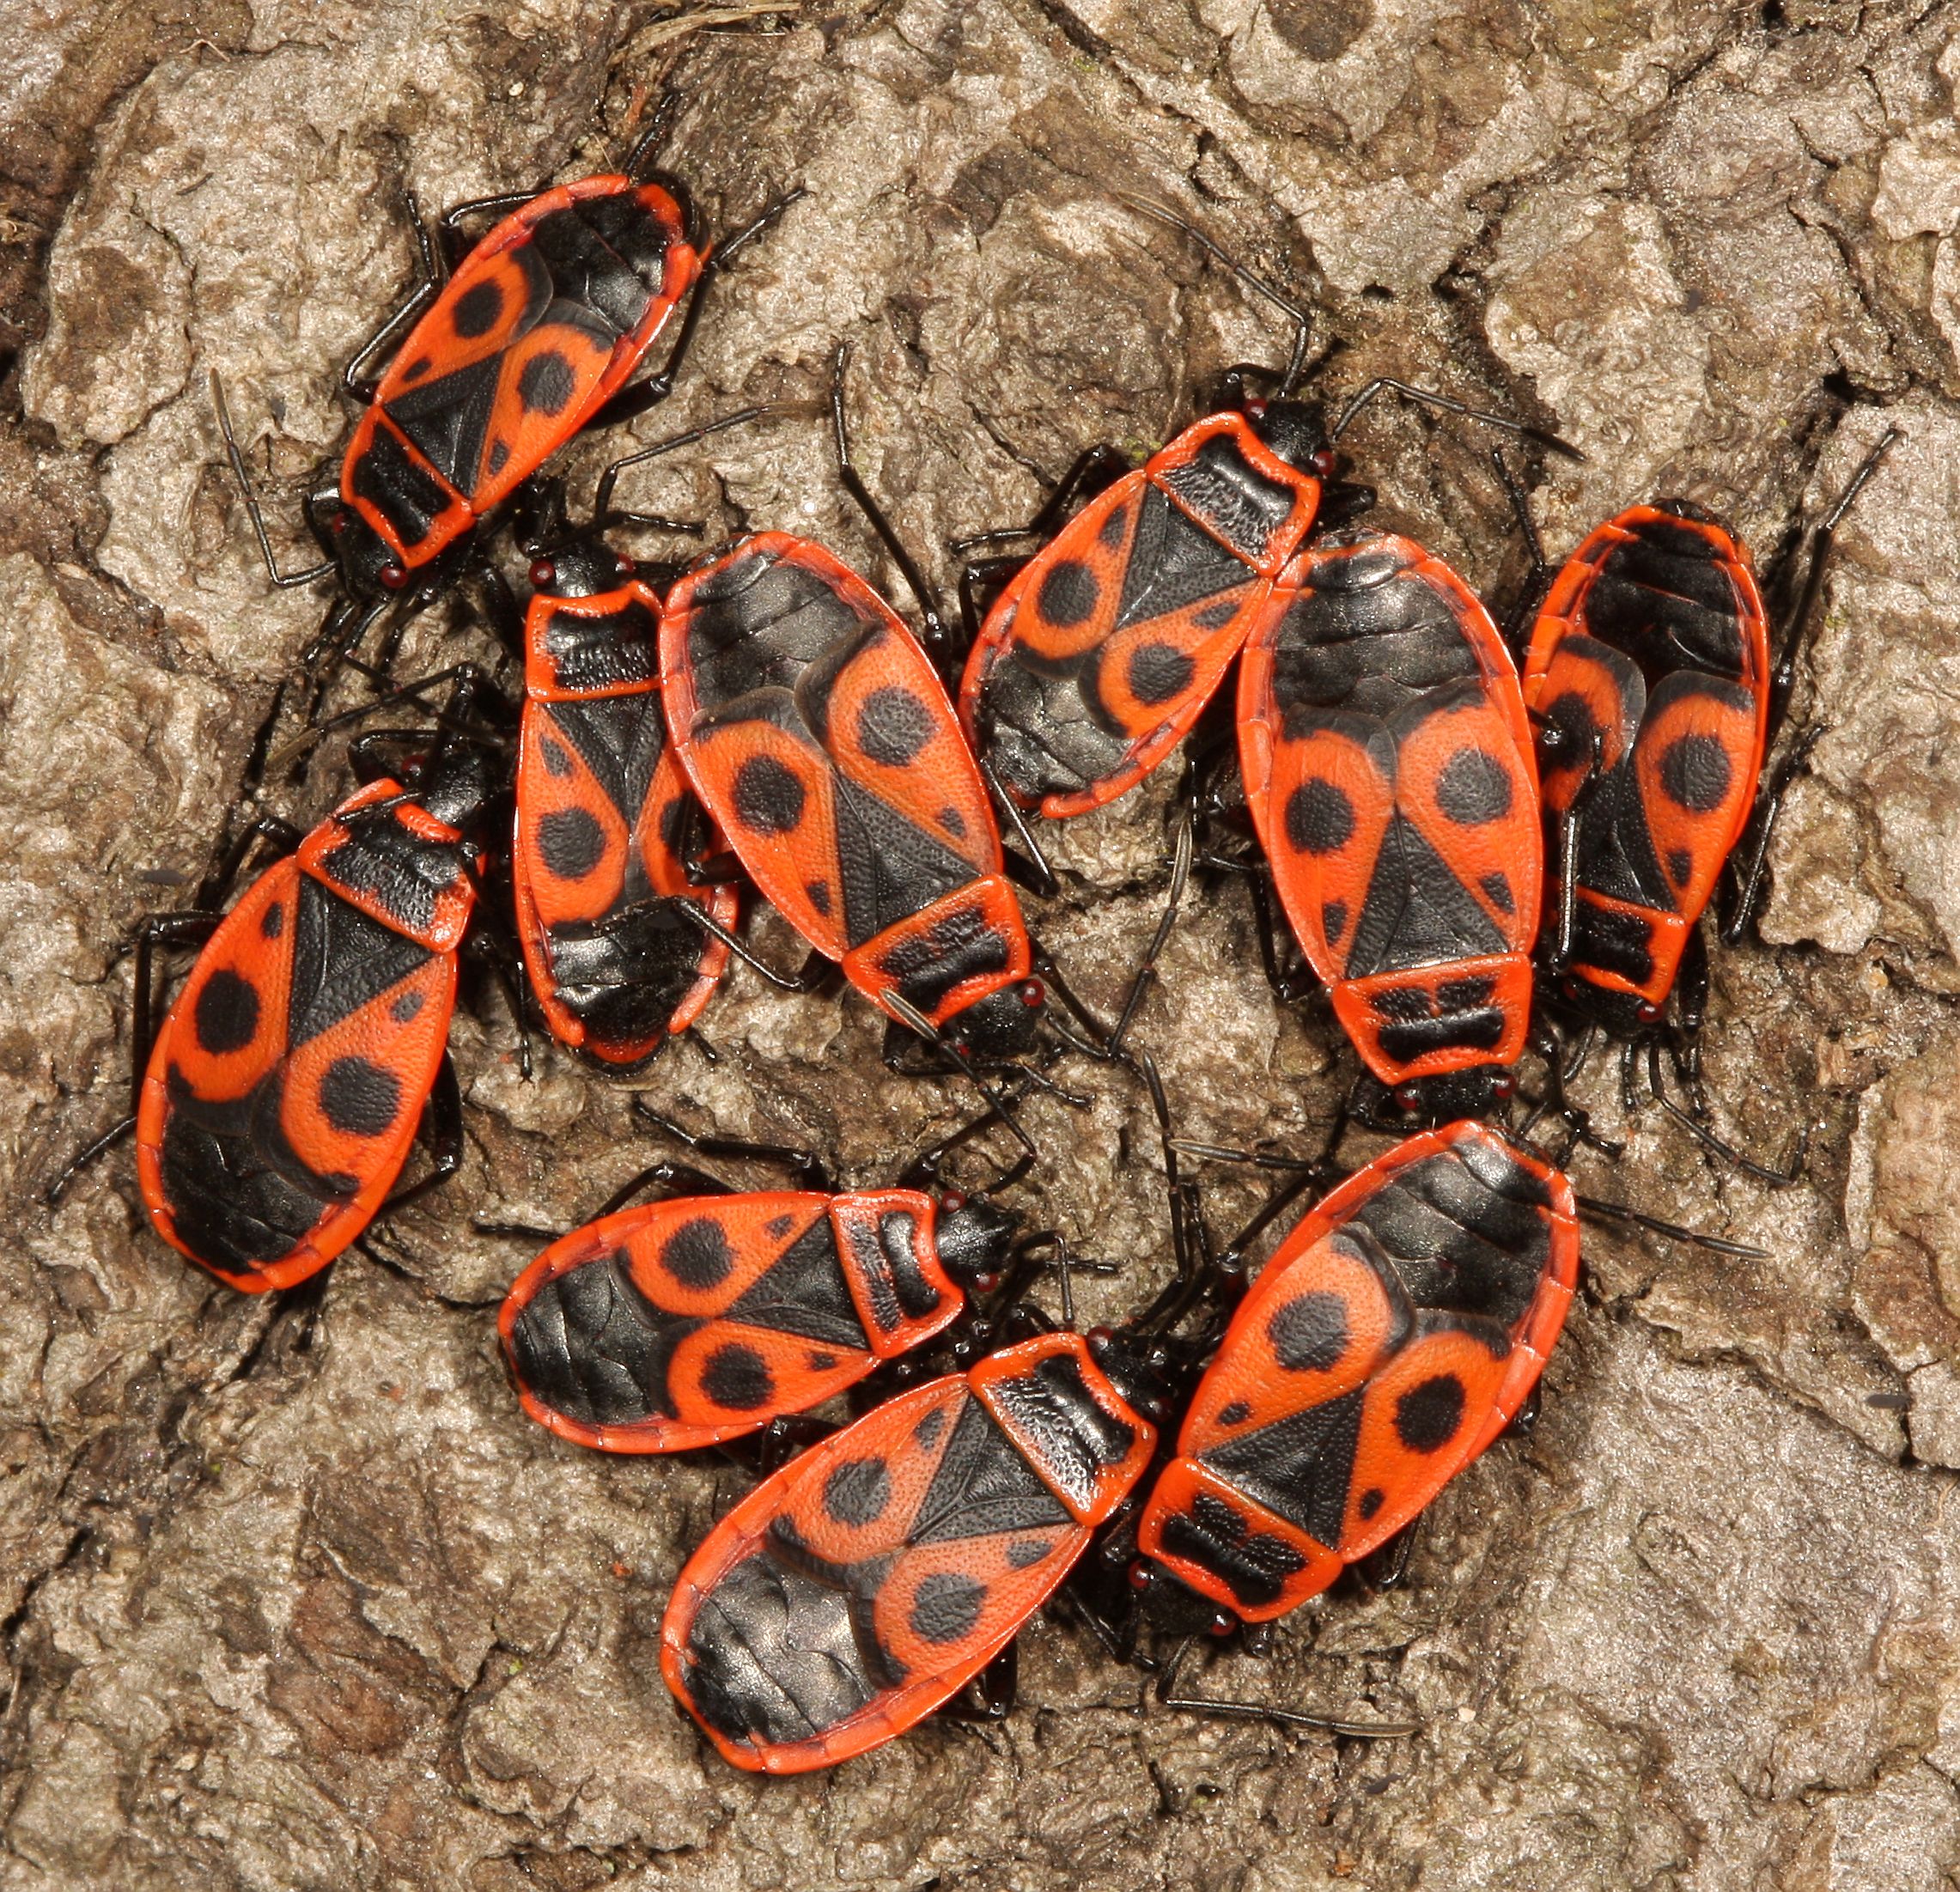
(951, 1202)
(542, 572)
(1571, 986)
(1322, 463)
(342, 522)
(1255, 408)
(624, 566)
(1649, 1011)
(1142, 1576)
(1222, 1624)
(392, 577)
(1033, 993)
(1410, 1097)
(985, 1284)
(1502, 1086)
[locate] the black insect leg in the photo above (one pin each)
(1565, 874)
(898, 1052)
(808, 1171)
(1428, 397)
(1296, 361)
(1717, 1146)
(1299, 982)
(1096, 1045)
(1387, 1565)
(990, 1695)
(1691, 988)
(493, 942)
(1593, 1208)
(981, 581)
(1140, 980)
(360, 387)
(817, 971)
(1802, 614)
(639, 396)
(1029, 869)
(605, 514)
(1168, 1696)
(1094, 470)
(1545, 1046)
(285, 580)
(442, 1129)
(924, 1170)
(786, 1435)
(1516, 627)
(938, 640)
(1749, 882)
(191, 927)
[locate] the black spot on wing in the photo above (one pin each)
(1695, 772)
(1067, 593)
(477, 310)
(857, 1492)
(738, 1377)
(768, 796)
(547, 383)
(1320, 819)
(359, 1097)
(1428, 1416)
(1474, 788)
(893, 725)
(698, 1254)
(946, 1606)
(1309, 1332)
(570, 842)
(226, 1016)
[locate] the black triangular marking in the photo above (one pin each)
(804, 1292)
(1417, 912)
(341, 959)
(1299, 1467)
(621, 740)
(983, 1487)
(891, 868)
(448, 419)
(1173, 563)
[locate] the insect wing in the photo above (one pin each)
(1339, 1405)
(681, 1323)
(280, 1103)
(549, 313)
(818, 737)
(864, 1584)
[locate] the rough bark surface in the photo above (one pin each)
(292, 1594)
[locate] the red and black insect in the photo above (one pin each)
(534, 336)
(699, 1319)
(1389, 771)
(820, 738)
(283, 1091)
(1105, 647)
(1392, 1336)
(604, 908)
(1650, 678)
(866, 1583)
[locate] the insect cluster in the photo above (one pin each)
(1482, 847)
